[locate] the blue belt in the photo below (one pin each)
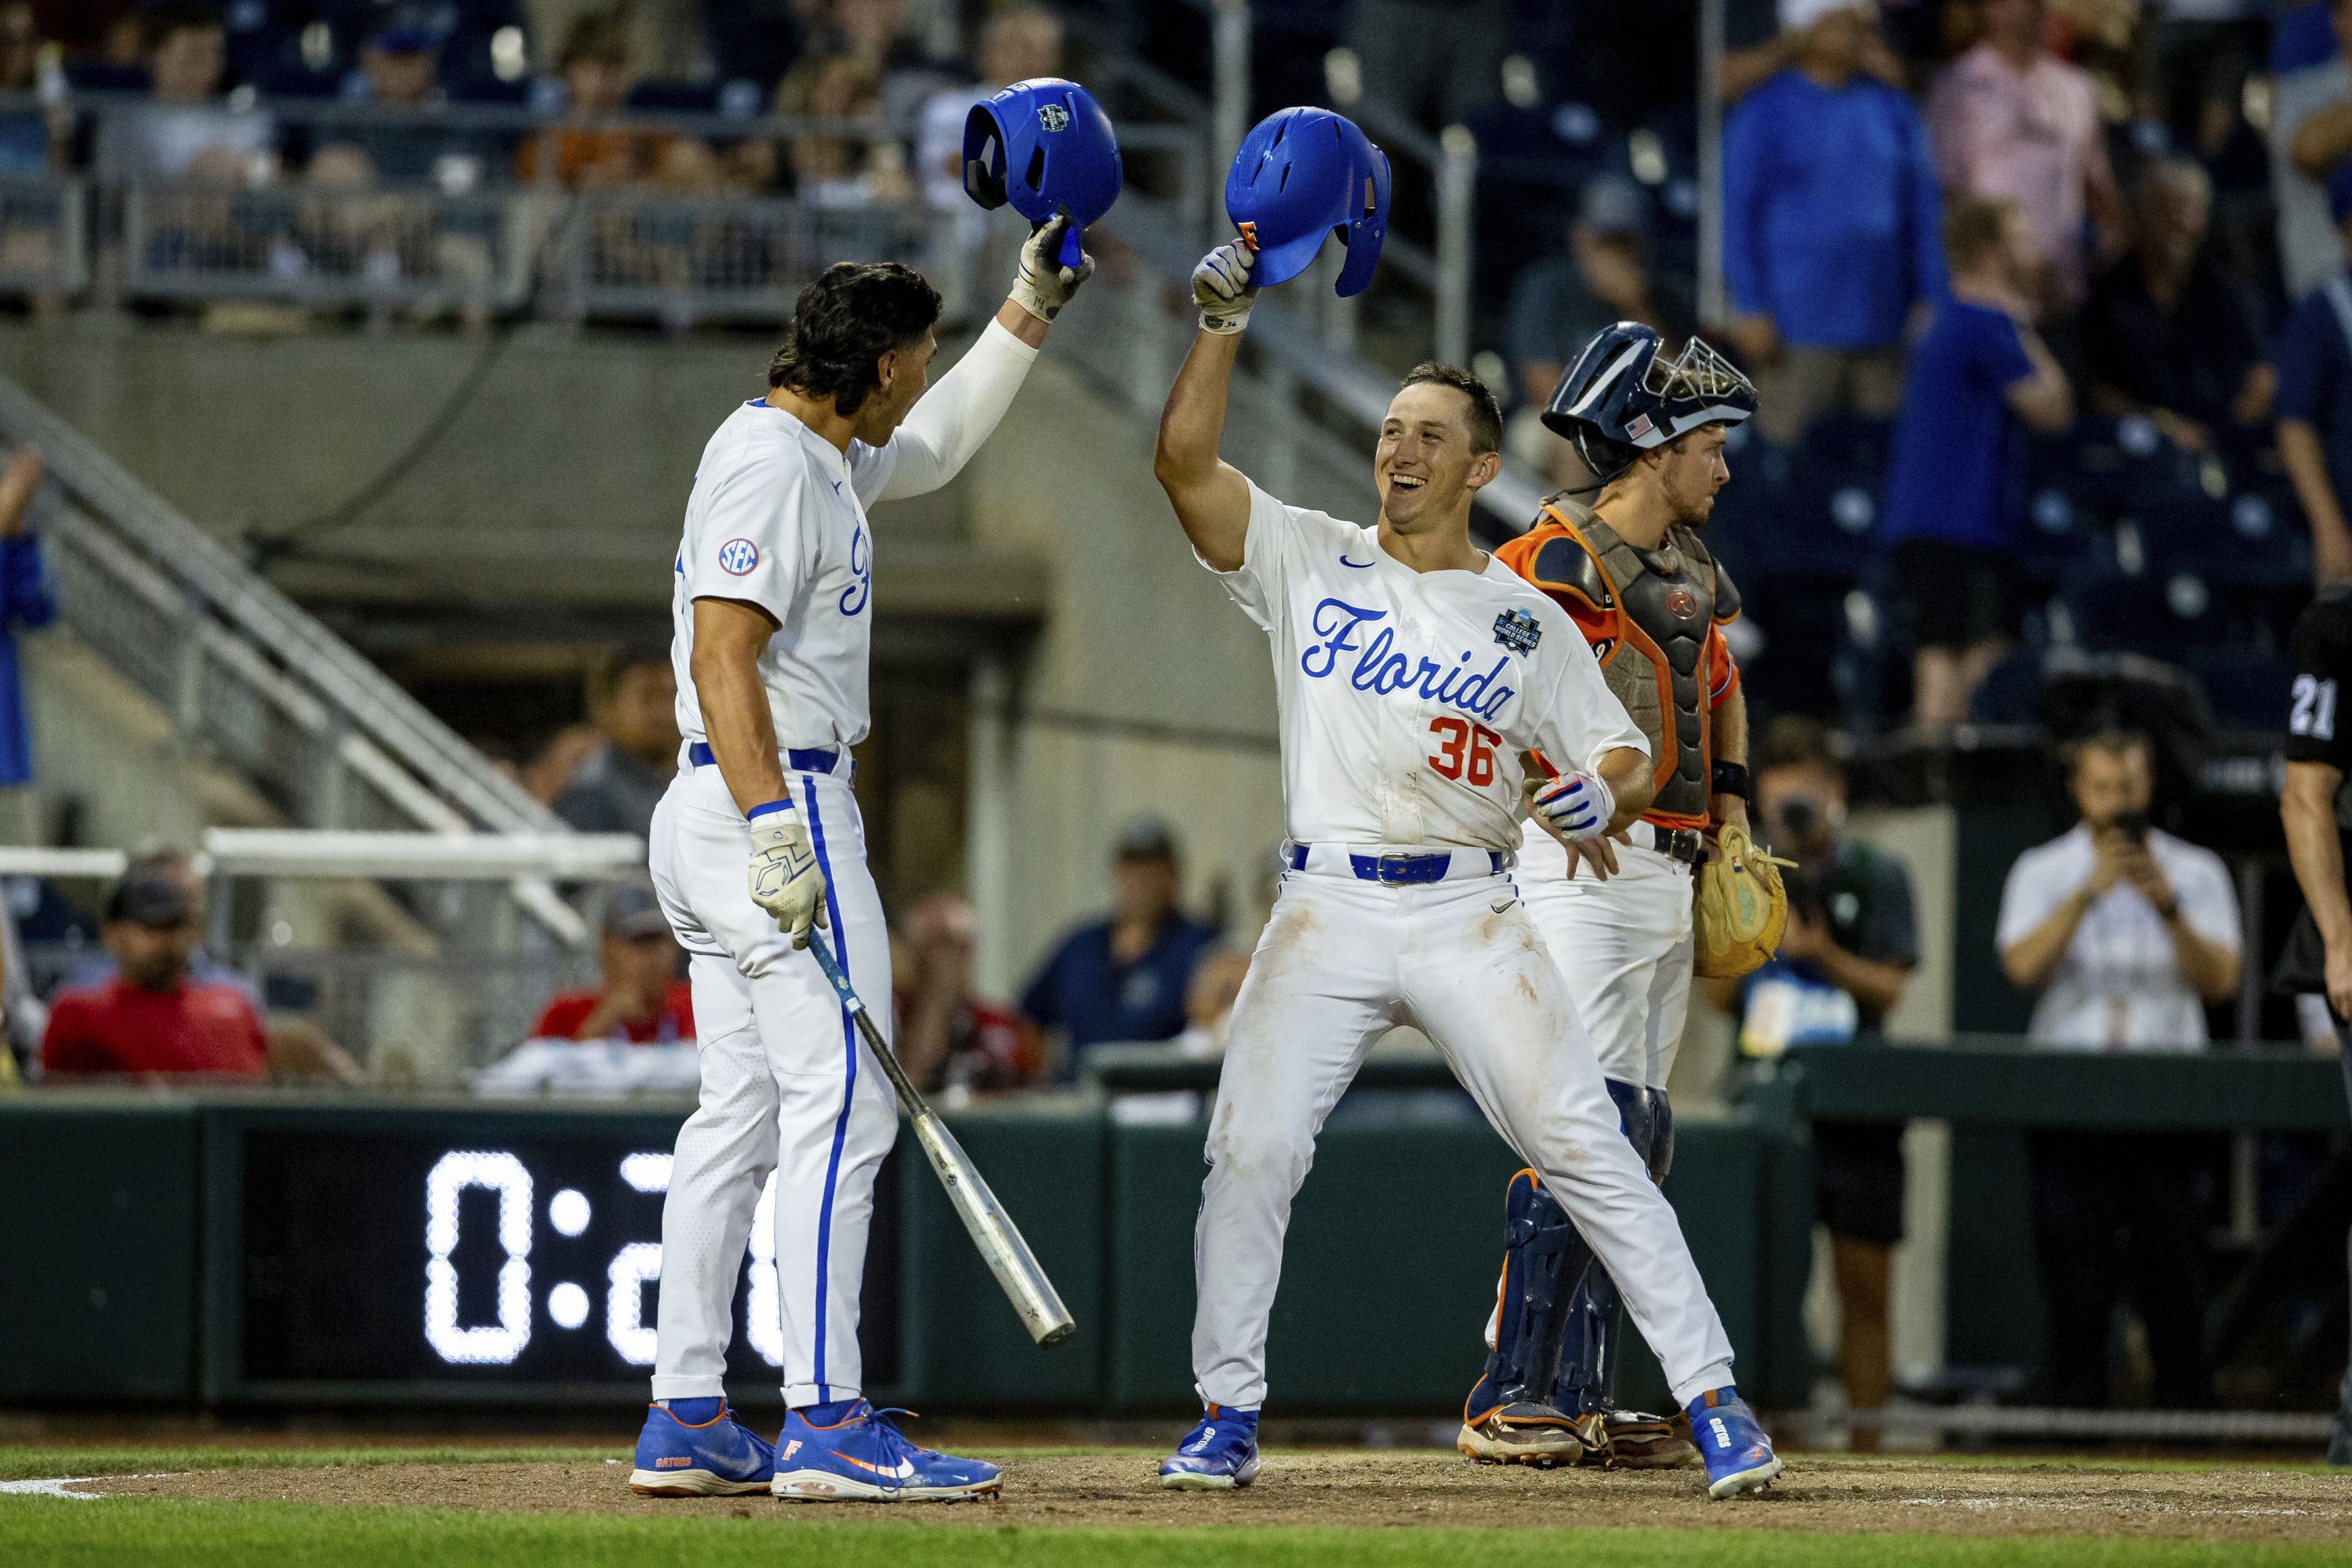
(799, 762)
(1397, 869)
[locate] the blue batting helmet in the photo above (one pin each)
(1043, 144)
(1623, 395)
(1303, 173)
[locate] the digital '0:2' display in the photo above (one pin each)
(373, 1259)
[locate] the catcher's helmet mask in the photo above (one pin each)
(1624, 397)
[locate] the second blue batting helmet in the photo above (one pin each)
(1625, 396)
(1043, 144)
(1302, 174)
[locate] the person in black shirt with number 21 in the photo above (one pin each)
(2318, 757)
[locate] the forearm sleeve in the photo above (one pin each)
(950, 420)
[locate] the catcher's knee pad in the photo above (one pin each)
(1660, 1155)
(1635, 1117)
(1542, 1256)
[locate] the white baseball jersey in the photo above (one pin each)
(778, 519)
(1407, 696)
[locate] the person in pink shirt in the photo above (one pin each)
(2010, 122)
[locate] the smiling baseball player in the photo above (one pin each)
(1412, 671)
(758, 839)
(1642, 591)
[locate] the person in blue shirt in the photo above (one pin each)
(1950, 505)
(26, 601)
(1830, 225)
(1124, 978)
(2314, 405)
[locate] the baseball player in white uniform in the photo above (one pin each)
(1413, 673)
(759, 837)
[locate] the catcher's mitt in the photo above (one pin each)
(1740, 907)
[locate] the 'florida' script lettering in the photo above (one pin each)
(1384, 672)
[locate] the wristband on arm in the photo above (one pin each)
(1732, 778)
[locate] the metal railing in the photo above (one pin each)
(647, 254)
(424, 1017)
(410, 249)
(249, 679)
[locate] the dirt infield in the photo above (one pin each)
(1941, 1496)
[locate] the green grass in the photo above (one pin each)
(39, 1533)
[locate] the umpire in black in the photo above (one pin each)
(2318, 758)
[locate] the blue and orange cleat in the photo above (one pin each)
(1739, 1458)
(1218, 1454)
(863, 1458)
(694, 1449)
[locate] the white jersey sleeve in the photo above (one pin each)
(1261, 585)
(752, 541)
(1578, 719)
(948, 423)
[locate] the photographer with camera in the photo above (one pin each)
(2127, 934)
(1845, 956)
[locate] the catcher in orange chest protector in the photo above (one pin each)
(1632, 573)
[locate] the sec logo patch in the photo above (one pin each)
(738, 556)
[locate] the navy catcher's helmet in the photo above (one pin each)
(1624, 397)
(1043, 144)
(1303, 173)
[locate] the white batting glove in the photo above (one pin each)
(1222, 288)
(1044, 285)
(785, 881)
(1577, 805)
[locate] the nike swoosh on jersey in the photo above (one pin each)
(1359, 565)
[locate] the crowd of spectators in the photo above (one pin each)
(201, 82)
(2042, 298)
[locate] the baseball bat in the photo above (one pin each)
(993, 1231)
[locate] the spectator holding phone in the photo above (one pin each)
(2126, 933)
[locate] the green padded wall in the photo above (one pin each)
(98, 1298)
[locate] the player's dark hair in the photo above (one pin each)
(844, 323)
(1485, 420)
(1794, 741)
(158, 23)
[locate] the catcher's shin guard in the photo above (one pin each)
(1505, 1420)
(1595, 1326)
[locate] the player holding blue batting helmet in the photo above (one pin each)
(1419, 679)
(1302, 176)
(758, 839)
(1046, 146)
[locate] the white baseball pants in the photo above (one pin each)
(1341, 961)
(1622, 946)
(787, 1086)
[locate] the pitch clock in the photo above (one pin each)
(392, 1259)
